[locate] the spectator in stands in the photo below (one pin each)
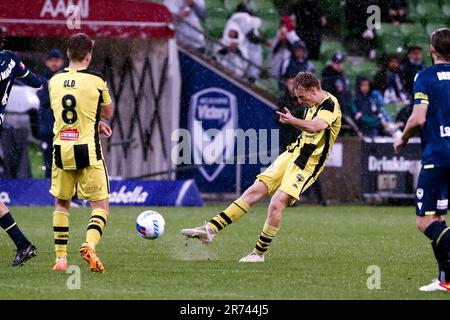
(288, 134)
(281, 47)
(309, 24)
(299, 60)
(54, 62)
(393, 11)
(187, 15)
(17, 132)
(409, 67)
(231, 52)
(388, 81)
(359, 33)
(368, 111)
(336, 82)
(403, 116)
(249, 24)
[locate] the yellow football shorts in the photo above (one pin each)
(284, 175)
(90, 183)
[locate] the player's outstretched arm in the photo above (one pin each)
(30, 79)
(311, 126)
(413, 126)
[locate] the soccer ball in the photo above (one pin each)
(150, 225)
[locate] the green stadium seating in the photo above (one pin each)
(391, 39)
(230, 5)
(393, 47)
(388, 29)
(446, 9)
(217, 12)
(214, 4)
(265, 8)
(365, 68)
(411, 30)
(214, 26)
(434, 26)
(334, 11)
(270, 26)
(270, 85)
(413, 16)
(329, 47)
(429, 12)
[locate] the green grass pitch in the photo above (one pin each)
(320, 253)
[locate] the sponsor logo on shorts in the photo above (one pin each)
(69, 135)
(419, 193)
(4, 197)
(419, 205)
(442, 204)
(93, 189)
(295, 186)
(300, 178)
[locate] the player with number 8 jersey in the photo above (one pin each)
(79, 99)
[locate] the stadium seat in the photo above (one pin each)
(388, 29)
(214, 4)
(217, 12)
(270, 26)
(434, 26)
(446, 12)
(214, 26)
(411, 30)
(265, 9)
(329, 47)
(230, 5)
(413, 16)
(393, 47)
(429, 12)
(391, 39)
(270, 85)
(364, 68)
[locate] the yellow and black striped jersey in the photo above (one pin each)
(314, 148)
(76, 97)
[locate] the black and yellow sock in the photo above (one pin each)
(96, 226)
(61, 232)
(265, 239)
(231, 214)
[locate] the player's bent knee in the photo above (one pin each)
(254, 193)
(3, 209)
(102, 204)
(422, 223)
(62, 205)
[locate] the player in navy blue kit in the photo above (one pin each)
(431, 117)
(11, 68)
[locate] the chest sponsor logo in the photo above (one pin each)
(444, 131)
(69, 135)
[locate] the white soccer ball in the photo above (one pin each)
(150, 225)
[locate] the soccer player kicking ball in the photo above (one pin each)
(79, 97)
(293, 171)
(431, 116)
(11, 68)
